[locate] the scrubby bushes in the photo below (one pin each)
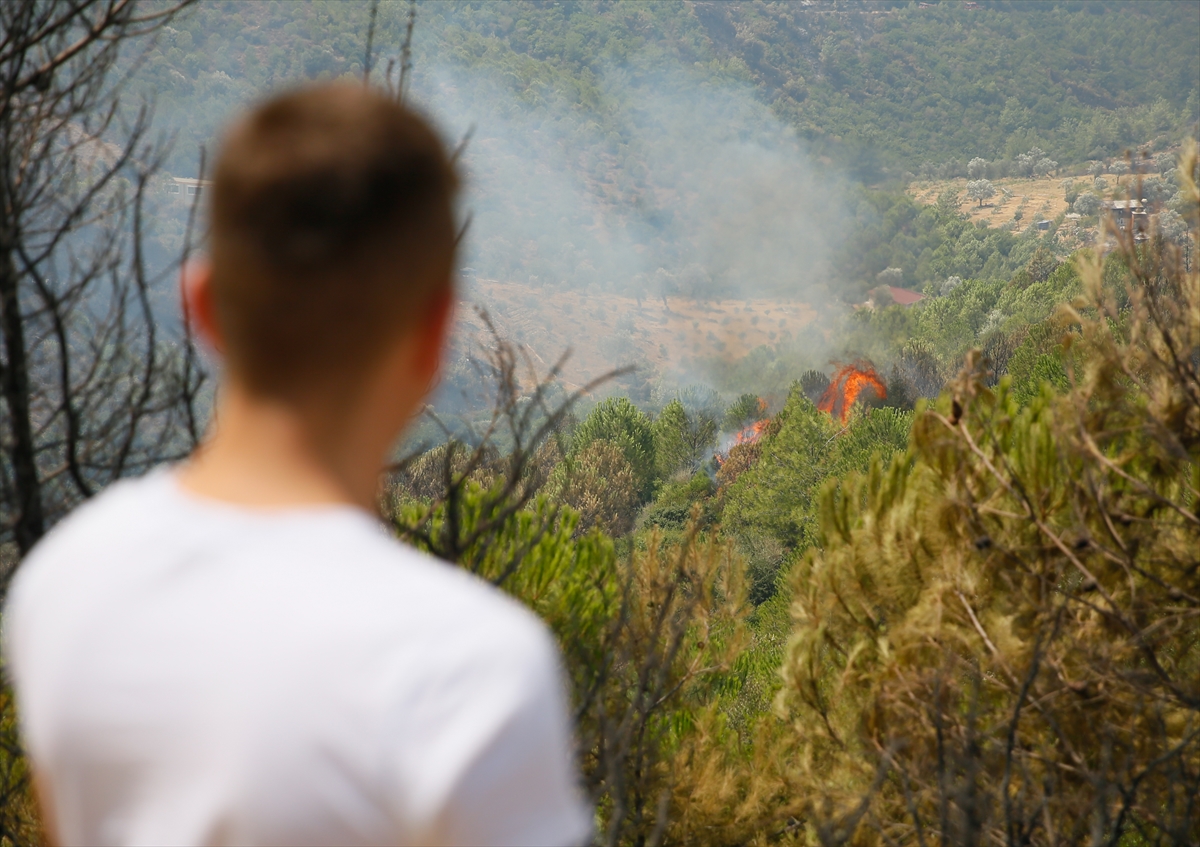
(986, 611)
(999, 637)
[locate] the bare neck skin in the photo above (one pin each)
(327, 447)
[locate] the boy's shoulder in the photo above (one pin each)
(71, 548)
(340, 559)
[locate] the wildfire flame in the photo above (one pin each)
(747, 435)
(750, 434)
(847, 384)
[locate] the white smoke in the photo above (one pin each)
(689, 188)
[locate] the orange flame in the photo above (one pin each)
(847, 384)
(747, 435)
(751, 434)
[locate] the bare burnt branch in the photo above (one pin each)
(192, 375)
(406, 51)
(521, 422)
(367, 52)
(92, 389)
(115, 21)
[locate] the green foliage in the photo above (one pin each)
(813, 383)
(877, 89)
(1038, 361)
(776, 497)
(599, 483)
(548, 533)
(747, 409)
(682, 439)
(672, 510)
(1004, 620)
(993, 314)
(626, 427)
(670, 449)
(927, 243)
(926, 88)
(878, 434)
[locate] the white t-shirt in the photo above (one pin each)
(194, 672)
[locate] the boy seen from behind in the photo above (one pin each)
(234, 651)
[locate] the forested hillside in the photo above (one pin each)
(879, 87)
(712, 149)
(923, 87)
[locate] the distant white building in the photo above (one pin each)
(184, 188)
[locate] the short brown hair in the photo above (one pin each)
(332, 224)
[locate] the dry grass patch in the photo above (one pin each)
(607, 330)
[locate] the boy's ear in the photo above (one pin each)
(432, 332)
(199, 310)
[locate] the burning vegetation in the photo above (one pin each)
(847, 386)
(749, 434)
(838, 399)
(743, 450)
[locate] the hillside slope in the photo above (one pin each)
(879, 87)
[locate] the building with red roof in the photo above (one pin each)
(905, 297)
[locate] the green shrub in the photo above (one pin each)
(620, 423)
